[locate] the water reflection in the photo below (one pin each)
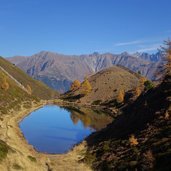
(89, 117)
(54, 129)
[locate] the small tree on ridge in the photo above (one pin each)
(5, 85)
(86, 87)
(121, 96)
(75, 85)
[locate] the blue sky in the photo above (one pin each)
(83, 26)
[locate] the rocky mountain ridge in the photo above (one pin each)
(59, 71)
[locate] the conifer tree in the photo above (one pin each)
(121, 96)
(5, 84)
(142, 81)
(86, 87)
(137, 91)
(167, 53)
(75, 85)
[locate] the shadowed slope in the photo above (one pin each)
(149, 119)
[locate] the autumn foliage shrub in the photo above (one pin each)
(5, 84)
(133, 141)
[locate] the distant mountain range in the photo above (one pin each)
(58, 71)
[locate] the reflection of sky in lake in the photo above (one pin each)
(50, 129)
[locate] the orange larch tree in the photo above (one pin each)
(86, 87)
(75, 85)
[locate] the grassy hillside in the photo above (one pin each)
(17, 88)
(12, 97)
(39, 89)
(106, 86)
(140, 138)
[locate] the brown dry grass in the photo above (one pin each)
(19, 155)
(106, 85)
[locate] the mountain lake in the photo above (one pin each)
(55, 130)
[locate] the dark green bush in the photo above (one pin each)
(17, 167)
(148, 85)
(4, 148)
(96, 102)
(33, 159)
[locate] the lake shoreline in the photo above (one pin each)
(112, 111)
(14, 137)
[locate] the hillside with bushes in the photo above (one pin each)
(18, 88)
(103, 87)
(140, 137)
(38, 88)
